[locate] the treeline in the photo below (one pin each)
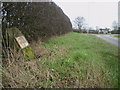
(36, 20)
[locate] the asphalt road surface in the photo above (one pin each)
(110, 38)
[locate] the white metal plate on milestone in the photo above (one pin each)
(22, 41)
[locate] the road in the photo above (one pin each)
(110, 38)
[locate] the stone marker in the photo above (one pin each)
(18, 42)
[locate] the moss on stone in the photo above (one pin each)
(29, 53)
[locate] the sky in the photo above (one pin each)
(96, 12)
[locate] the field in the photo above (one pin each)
(69, 61)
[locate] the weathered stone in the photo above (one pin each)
(12, 34)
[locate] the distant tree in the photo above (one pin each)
(85, 26)
(79, 22)
(115, 25)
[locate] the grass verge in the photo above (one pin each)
(82, 60)
(72, 60)
(117, 36)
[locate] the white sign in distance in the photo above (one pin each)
(23, 43)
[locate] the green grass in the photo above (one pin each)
(117, 36)
(80, 60)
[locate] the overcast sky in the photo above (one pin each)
(96, 12)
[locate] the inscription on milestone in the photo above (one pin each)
(22, 41)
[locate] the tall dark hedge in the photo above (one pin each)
(36, 20)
